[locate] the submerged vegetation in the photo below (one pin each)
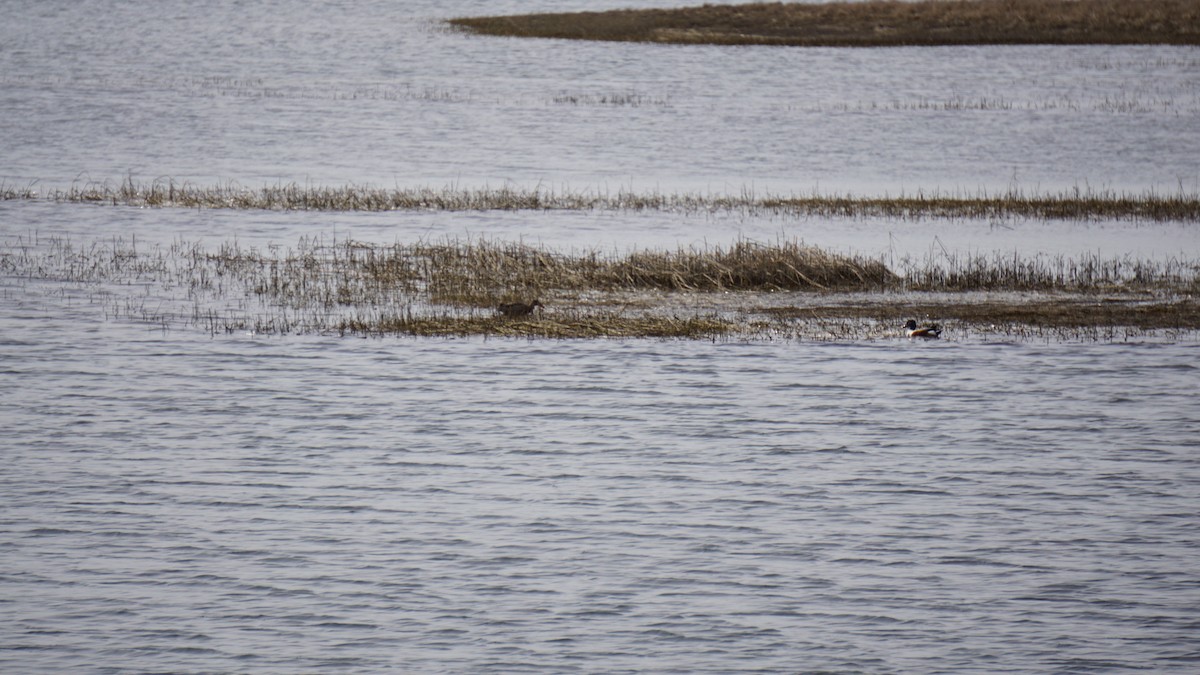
(1077, 204)
(873, 23)
(747, 290)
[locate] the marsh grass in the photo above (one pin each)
(748, 289)
(1076, 204)
(11, 193)
(485, 272)
(561, 326)
(874, 23)
(1086, 273)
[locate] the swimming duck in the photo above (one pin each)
(930, 332)
(515, 309)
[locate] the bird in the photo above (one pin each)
(516, 309)
(930, 332)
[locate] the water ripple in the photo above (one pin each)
(681, 511)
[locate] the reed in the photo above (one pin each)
(469, 272)
(745, 290)
(1076, 204)
(874, 23)
(1085, 273)
(12, 193)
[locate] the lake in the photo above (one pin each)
(179, 501)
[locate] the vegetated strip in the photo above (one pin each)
(875, 23)
(747, 289)
(606, 325)
(1070, 205)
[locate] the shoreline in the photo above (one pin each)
(875, 23)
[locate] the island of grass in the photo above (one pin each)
(874, 23)
(746, 291)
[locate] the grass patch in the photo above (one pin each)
(1074, 204)
(1086, 273)
(563, 326)
(743, 291)
(474, 273)
(875, 23)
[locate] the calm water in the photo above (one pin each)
(375, 92)
(177, 502)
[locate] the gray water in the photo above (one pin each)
(177, 501)
(376, 92)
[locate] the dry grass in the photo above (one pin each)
(488, 273)
(747, 290)
(876, 23)
(562, 326)
(1070, 205)
(1086, 273)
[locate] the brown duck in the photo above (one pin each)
(516, 309)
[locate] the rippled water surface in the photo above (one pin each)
(378, 92)
(176, 501)
(180, 502)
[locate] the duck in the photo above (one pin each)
(929, 332)
(516, 309)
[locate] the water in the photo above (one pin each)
(176, 501)
(375, 92)
(181, 503)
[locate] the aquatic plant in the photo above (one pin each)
(1076, 204)
(873, 23)
(748, 289)
(470, 272)
(1085, 273)
(561, 326)
(8, 192)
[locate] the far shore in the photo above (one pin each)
(875, 23)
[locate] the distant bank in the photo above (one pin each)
(875, 23)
